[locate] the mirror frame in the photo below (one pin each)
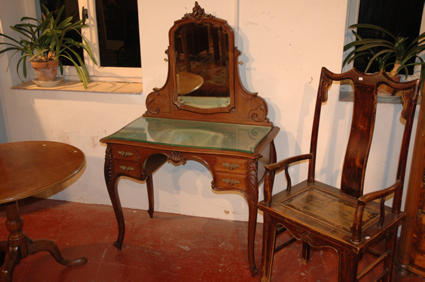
(244, 107)
(198, 16)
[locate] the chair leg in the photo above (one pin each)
(391, 244)
(306, 252)
(269, 242)
(347, 266)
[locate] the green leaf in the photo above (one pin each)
(9, 37)
(354, 55)
(374, 45)
(375, 58)
(81, 68)
(61, 67)
(8, 49)
(374, 27)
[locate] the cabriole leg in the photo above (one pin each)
(112, 187)
(149, 185)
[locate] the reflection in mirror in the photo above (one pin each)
(202, 65)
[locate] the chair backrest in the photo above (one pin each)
(362, 126)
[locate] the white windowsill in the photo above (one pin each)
(110, 87)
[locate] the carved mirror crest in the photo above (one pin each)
(203, 74)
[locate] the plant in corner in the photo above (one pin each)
(390, 52)
(44, 42)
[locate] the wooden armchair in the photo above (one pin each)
(343, 219)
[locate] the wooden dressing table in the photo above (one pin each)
(218, 124)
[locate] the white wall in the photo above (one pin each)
(284, 44)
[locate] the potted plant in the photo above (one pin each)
(44, 42)
(390, 52)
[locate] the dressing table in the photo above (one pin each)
(202, 113)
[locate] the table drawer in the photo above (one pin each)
(131, 169)
(228, 180)
(124, 153)
(231, 164)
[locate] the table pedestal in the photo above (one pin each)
(19, 246)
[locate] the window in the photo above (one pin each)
(113, 33)
(118, 31)
(399, 17)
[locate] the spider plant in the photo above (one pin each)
(389, 51)
(47, 39)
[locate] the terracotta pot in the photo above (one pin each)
(45, 71)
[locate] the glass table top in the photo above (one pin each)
(196, 134)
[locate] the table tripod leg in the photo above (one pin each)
(15, 247)
(19, 246)
(11, 260)
(50, 246)
(3, 251)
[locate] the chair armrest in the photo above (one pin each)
(379, 194)
(361, 203)
(271, 170)
(283, 164)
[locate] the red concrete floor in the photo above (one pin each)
(168, 247)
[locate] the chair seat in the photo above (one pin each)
(328, 212)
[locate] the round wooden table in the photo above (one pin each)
(188, 82)
(27, 169)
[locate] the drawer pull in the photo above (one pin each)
(125, 153)
(231, 182)
(230, 166)
(126, 168)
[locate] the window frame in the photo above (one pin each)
(97, 72)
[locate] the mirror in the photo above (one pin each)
(202, 65)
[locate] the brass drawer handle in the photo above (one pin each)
(125, 154)
(231, 181)
(230, 166)
(126, 168)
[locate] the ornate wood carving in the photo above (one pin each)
(198, 13)
(108, 165)
(252, 175)
(407, 103)
(152, 102)
(257, 108)
(176, 158)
